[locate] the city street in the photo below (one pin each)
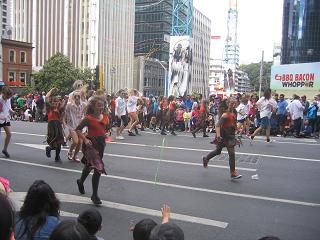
(147, 171)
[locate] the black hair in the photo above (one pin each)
(39, 203)
(6, 218)
(167, 231)
(69, 230)
(91, 219)
(143, 229)
(223, 107)
(269, 238)
(267, 93)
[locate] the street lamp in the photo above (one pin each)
(166, 90)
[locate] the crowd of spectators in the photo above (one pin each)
(294, 115)
(39, 219)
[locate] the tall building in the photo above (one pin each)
(300, 31)
(89, 32)
(116, 43)
(201, 35)
(231, 57)
(6, 19)
(149, 78)
(153, 22)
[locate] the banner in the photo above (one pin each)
(296, 77)
(180, 65)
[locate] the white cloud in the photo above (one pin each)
(259, 26)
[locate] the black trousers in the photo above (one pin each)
(231, 152)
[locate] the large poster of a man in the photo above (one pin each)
(180, 65)
(229, 79)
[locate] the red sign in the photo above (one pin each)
(215, 37)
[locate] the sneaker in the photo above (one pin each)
(269, 140)
(193, 134)
(251, 139)
(120, 137)
(80, 187)
(163, 133)
(235, 175)
(96, 200)
(205, 162)
(76, 159)
(131, 133)
(48, 152)
(205, 135)
(70, 156)
(173, 133)
(6, 153)
(58, 160)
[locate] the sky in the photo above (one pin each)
(259, 26)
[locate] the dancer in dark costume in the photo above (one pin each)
(225, 136)
(54, 108)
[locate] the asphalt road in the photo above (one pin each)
(147, 171)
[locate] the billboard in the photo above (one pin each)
(229, 77)
(180, 65)
(295, 78)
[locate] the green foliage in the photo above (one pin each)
(59, 72)
(253, 71)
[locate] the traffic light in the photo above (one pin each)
(97, 77)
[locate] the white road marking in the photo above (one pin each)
(309, 142)
(250, 196)
(19, 196)
(42, 147)
(304, 141)
(177, 162)
(206, 150)
(29, 134)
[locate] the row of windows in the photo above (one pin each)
(12, 56)
(12, 76)
(152, 82)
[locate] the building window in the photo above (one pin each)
(23, 57)
(23, 76)
(12, 76)
(12, 56)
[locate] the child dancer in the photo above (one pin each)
(54, 109)
(97, 121)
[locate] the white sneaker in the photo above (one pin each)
(120, 137)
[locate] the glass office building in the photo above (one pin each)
(153, 21)
(301, 31)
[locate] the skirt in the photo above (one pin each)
(54, 134)
(93, 154)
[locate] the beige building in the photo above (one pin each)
(201, 34)
(89, 32)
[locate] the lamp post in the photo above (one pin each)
(166, 88)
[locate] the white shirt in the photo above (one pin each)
(132, 104)
(74, 114)
(120, 107)
(5, 113)
(242, 111)
(295, 109)
(265, 107)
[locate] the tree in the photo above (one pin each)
(253, 71)
(59, 72)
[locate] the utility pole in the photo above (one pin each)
(261, 73)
